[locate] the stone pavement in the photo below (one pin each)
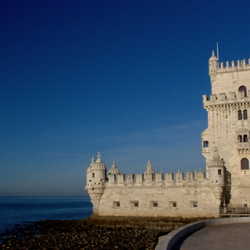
(220, 237)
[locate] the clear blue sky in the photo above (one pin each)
(125, 78)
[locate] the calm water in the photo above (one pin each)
(18, 210)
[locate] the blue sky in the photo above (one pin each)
(125, 78)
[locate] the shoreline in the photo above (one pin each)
(91, 233)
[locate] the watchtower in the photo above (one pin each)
(229, 124)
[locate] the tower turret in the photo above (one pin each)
(216, 169)
(213, 66)
(96, 180)
(113, 170)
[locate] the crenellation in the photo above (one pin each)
(223, 97)
(179, 176)
(169, 177)
(120, 179)
(200, 175)
(189, 177)
(130, 179)
(234, 66)
(159, 178)
(232, 95)
(231, 99)
(139, 179)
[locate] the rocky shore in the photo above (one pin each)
(90, 233)
(51, 234)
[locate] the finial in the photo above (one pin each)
(92, 160)
(99, 157)
(149, 164)
(149, 169)
(114, 164)
(213, 53)
(114, 169)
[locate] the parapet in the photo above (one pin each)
(233, 66)
(158, 179)
(231, 98)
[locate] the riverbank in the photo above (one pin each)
(91, 233)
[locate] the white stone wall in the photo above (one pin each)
(224, 126)
(158, 201)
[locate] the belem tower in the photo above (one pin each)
(225, 184)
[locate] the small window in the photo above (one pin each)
(116, 204)
(239, 115)
(205, 144)
(93, 175)
(219, 171)
(245, 205)
(155, 204)
(194, 203)
(244, 90)
(173, 204)
(134, 203)
(245, 114)
(244, 164)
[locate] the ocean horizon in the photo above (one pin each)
(20, 210)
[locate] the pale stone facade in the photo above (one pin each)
(228, 125)
(225, 146)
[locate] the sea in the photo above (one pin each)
(25, 209)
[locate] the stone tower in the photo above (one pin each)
(95, 183)
(229, 126)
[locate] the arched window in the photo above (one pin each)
(245, 138)
(219, 171)
(239, 115)
(93, 175)
(243, 89)
(245, 114)
(244, 164)
(240, 138)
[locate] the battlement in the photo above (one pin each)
(157, 179)
(233, 66)
(216, 67)
(226, 98)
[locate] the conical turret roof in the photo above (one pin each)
(114, 169)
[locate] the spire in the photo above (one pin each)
(213, 57)
(114, 169)
(149, 169)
